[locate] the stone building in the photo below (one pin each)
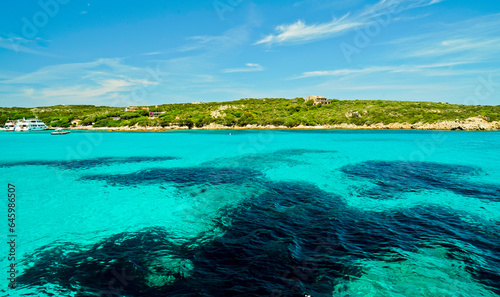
(317, 99)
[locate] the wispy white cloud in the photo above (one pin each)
(476, 38)
(457, 45)
(428, 69)
(102, 81)
(196, 69)
(342, 72)
(394, 7)
(410, 18)
(250, 68)
(205, 41)
(234, 37)
(152, 54)
(19, 44)
(95, 70)
(300, 32)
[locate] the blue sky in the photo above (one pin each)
(154, 52)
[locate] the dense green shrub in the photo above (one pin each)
(249, 111)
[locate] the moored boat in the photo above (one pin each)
(9, 126)
(26, 125)
(60, 132)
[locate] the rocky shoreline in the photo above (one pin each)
(470, 124)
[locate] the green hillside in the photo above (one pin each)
(287, 112)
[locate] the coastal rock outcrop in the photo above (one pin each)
(474, 123)
(478, 123)
(353, 114)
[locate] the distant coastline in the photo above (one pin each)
(313, 112)
(471, 124)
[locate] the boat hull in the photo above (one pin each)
(59, 132)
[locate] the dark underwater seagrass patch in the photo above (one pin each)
(87, 163)
(294, 239)
(266, 160)
(392, 178)
(189, 176)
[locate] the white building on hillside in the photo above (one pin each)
(317, 99)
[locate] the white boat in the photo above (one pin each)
(9, 126)
(29, 125)
(60, 132)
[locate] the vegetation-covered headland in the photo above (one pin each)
(267, 113)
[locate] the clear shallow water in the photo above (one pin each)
(255, 213)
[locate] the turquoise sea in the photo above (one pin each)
(252, 213)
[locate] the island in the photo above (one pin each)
(313, 112)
